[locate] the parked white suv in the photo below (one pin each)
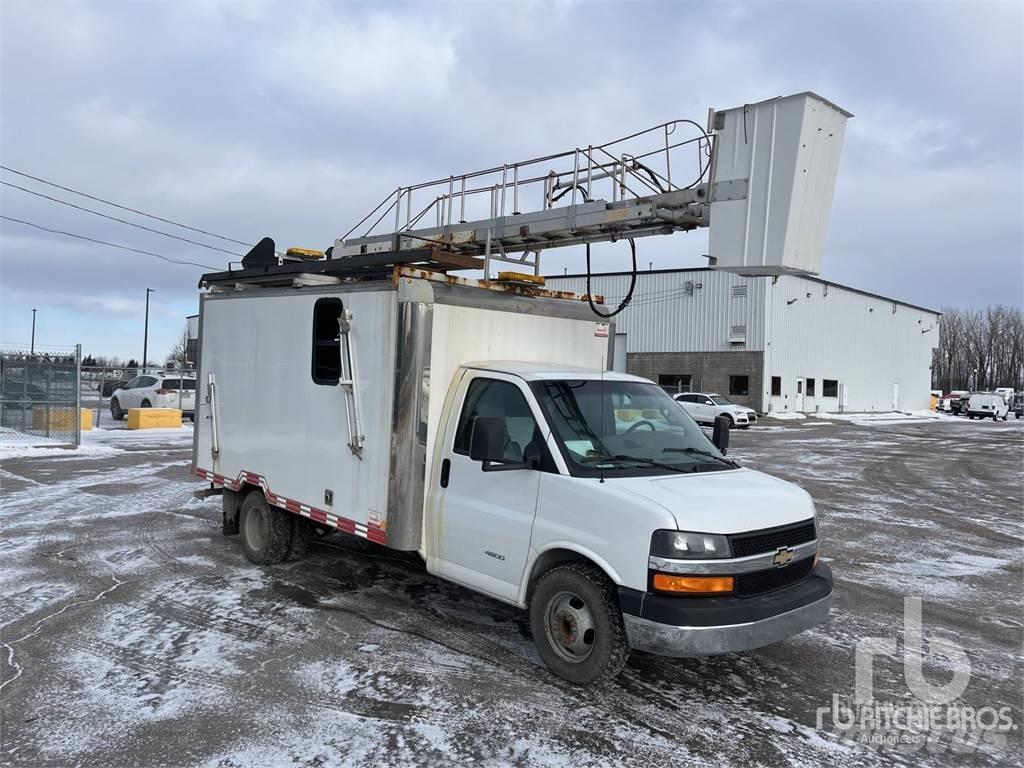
(704, 408)
(155, 391)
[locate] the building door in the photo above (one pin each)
(895, 395)
(799, 402)
(619, 353)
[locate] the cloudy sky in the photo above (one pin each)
(294, 120)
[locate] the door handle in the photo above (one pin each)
(446, 470)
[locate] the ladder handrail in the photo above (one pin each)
(445, 201)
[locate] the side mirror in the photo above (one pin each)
(487, 445)
(488, 440)
(720, 437)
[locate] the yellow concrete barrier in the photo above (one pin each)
(62, 419)
(153, 418)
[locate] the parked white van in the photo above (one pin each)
(476, 424)
(987, 405)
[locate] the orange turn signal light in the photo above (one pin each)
(693, 585)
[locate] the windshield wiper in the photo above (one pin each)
(638, 459)
(702, 452)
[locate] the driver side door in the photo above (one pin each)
(483, 512)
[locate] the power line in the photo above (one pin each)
(124, 207)
(122, 221)
(104, 242)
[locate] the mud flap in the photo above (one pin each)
(232, 508)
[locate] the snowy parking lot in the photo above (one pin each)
(134, 634)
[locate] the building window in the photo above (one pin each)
(810, 387)
(776, 386)
(674, 382)
(829, 388)
(739, 385)
(326, 367)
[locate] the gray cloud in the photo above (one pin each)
(294, 120)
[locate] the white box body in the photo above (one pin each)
(280, 431)
(787, 152)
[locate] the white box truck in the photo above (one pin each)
(476, 423)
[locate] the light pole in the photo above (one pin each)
(145, 333)
(33, 332)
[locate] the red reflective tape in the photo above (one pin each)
(371, 531)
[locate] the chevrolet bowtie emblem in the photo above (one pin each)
(783, 556)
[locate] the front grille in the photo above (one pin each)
(770, 539)
(758, 583)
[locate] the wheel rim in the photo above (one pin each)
(257, 526)
(569, 625)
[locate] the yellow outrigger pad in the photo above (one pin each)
(153, 418)
(61, 419)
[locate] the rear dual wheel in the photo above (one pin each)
(271, 535)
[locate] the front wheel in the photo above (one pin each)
(577, 624)
(115, 411)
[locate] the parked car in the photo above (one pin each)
(111, 385)
(955, 400)
(1006, 393)
(16, 392)
(984, 405)
(1018, 405)
(155, 391)
(704, 408)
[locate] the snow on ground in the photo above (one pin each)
(886, 417)
(96, 443)
(785, 416)
(129, 614)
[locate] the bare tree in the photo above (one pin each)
(179, 352)
(980, 350)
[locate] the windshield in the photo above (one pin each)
(624, 429)
(719, 400)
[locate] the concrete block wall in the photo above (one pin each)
(708, 371)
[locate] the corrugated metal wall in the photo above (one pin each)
(680, 311)
(869, 344)
(814, 331)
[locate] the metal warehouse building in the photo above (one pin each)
(790, 343)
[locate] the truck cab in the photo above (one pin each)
(593, 500)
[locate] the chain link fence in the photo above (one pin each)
(136, 387)
(40, 397)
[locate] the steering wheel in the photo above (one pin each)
(640, 424)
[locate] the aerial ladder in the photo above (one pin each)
(762, 183)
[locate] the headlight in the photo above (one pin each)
(681, 545)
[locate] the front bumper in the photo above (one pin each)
(683, 626)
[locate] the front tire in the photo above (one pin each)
(115, 411)
(266, 531)
(577, 624)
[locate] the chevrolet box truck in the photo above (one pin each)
(477, 424)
